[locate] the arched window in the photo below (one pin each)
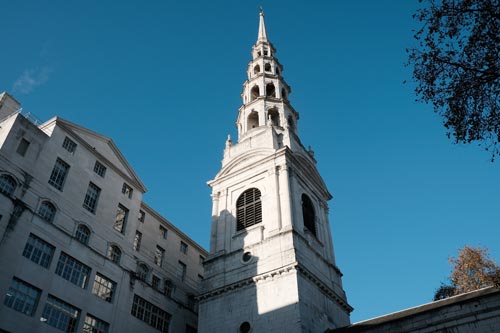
(253, 120)
(308, 214)
(256, 69)
(267, 67)
(82, 234)
(142, 272)
(254, 93)
(275, 117)
(277, 70)
(248, 209)
(7, 184)
(47, 211)
(270, 90)
(114, 254)
(283, 93)
(291, 123)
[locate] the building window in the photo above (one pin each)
(114, 254)
(181, 270)
(121, 219)
(184, 247)
(159, 255)
(59, 173)
(22, 297)
(73, 270)
(69, 145)
(38, 251)
(127, 190)
(270, 90)
(47, 211)
(248, 209)
(252, 120)
(256, 69)
(254, 92)
(22, 147)
(308, 214)
(169, 288)
(163, 232)
(91, 198)
(267, 67)
(82, 234)
(150, 314)
(104, 288)
(202, 260)
(142, 272)
(137, 241)
(142, 216)
(94, 325)
(99, 168)
(60, 314)
(7, 184)
(156, 282)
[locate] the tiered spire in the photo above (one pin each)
(265, 93)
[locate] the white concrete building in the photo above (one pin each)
(271, 266)
(79, 249)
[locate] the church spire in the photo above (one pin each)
(265, 92)
(262, 28)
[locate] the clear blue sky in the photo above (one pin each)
(163, 79)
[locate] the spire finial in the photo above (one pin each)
(262, 27)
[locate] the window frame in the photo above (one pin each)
(47, 211)
(22, 297)
(120, 223)
(184, 247)
(92, 324)
(23, 146)
(150, 314)
(57, 313)
(159, 256)
(92, 198)
(73, 270)
(8, 184)
(114, 253)
(248, 209)
(136, 245)
(127, 190)
(308, 214)
(100, 169)
(79, 234)
(104, 288)
(39, 251)
(163, 232)
(69, 145)
(59, 174)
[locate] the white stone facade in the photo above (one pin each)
(271, 266)
(36, 210)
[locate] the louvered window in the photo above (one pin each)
(248, 209)
(308, 214)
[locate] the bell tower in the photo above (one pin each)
(271, 266)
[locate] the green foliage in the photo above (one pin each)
(456, 65)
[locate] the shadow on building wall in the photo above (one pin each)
(244, 289)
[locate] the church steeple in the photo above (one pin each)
(265, 92)
(262, 28)
(271, 266)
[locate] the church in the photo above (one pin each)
(81, 252)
